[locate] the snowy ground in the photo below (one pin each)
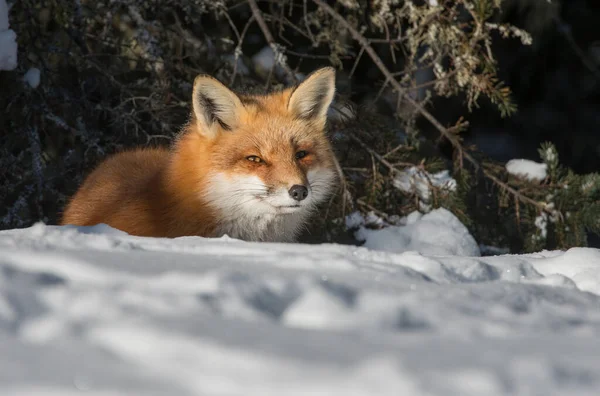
(94, 311)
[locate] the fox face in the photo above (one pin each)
(270, 162)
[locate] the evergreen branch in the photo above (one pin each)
(516, 193)
(378, 212)
(451, 137)
(379, 158)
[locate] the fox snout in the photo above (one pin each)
(295, 193)
(287, 180)
(298, 192)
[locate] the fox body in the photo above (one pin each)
(251, 167)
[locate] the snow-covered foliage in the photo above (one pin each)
(414, 180)
(267, 61)
(566, 206)
(94, 311)
(527, 169)
(32, 77)
(437, 233)
(264, 61)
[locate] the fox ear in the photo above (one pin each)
(311, 99)
(215, 106)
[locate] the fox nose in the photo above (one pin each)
(298, 192)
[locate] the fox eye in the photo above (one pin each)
(254, 158)
(301, 154)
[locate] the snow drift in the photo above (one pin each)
(93, 309)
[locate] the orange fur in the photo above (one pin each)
(205, 184)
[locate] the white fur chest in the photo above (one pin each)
(265, 228)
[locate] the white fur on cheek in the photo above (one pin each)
(322, 182)
(236, 196)
(244, 210)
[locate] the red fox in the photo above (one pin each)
(252, 167)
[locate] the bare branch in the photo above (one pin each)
(269, 37)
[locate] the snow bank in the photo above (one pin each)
(527, 169)
(93, 310)
(8, 40)
(438, 233)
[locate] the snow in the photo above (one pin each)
(32, 77)
(527, 169)
(437, 233)
(8, 40)
(541, 223)
(420, 182)
(3, 15)
(93, 310)
(264, 59)
(264, 62)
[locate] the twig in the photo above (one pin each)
(286, 22)
(362, 50)
(238, 48)
(392, 151)
(385, 41)
(311, 56)
(379, 93)
(379, 158)
(269, 37)
(378, 212)
(304, 7)
(515, 193)
(232, 25)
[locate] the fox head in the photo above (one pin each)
(269, 156)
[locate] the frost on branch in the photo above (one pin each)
(422, 184)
